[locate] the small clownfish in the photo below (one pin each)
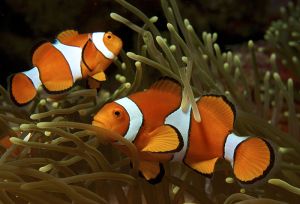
(58, 65)
(154, 121)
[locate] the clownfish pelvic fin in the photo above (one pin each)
(152, 171)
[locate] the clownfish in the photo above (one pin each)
(58, 65)
(161, 131)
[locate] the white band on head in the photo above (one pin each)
(232, 141)
(135, 117)
(72, 55)
(180, 120)
(97, 39)
(34, 75)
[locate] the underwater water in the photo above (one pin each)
(51, 152)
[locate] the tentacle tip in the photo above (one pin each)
(24, 126)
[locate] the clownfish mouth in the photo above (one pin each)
(101, 124)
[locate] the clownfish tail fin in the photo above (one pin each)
(251, 158)
(22, 89)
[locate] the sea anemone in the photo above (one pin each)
(58, 156)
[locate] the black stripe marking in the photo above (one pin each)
(82, 55)
(224, 143)
(189, 135)
(188, 146)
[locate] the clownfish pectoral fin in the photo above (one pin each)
(22, 89)
(252, 158)
(205, 168)
(153, 172)
(100, 76)
(93, 83)
(164, 139)
(66, 35)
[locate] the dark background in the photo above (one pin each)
(24, 23)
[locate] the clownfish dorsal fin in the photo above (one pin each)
(203, 167)
(67, 34)
(152, 171)
(167, 84)
(164, 139)
(222, 110)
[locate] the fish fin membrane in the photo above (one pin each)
(164, 139)
(22, 89)
(167, 84)
(58, 86)
(55, 72)
(100, 76)
(253, 159)
(153, 172)
(203, 167)
(221, 112)
(93, 83)
(66, 35)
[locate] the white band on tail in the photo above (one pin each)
(97, 39)
(232, 141)
(34, 75)
(180, 120)
(72, 55)
(135, 117)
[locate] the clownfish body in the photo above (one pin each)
(155, 122)
(58, 65)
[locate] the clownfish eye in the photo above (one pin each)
(109, 36)
(117, 113)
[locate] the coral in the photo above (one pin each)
(57, 156)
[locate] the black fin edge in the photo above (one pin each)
(267, 170)
(158, 178)
(199, 172)
(57, 92)
(9, 80)
(225, 99)
(180, 145)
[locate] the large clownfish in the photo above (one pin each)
(161, 131)
(58, 65)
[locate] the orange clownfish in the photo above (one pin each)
(58, 65)
(155, 122)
